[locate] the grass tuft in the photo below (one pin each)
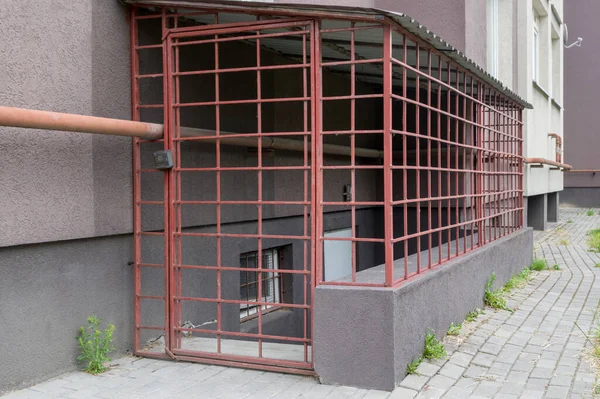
(494, 298)
(433, 348)
(594, 239)
(473, 314)
(556, 267)
(538, 265)
(414, 365)
(518, 280)
(454, 329)
(590, 213)
(563, 242)
(569, 221)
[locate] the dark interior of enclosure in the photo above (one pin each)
(231, 182)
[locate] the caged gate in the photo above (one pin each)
(309, 147)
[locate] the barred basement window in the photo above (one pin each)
(270, 282)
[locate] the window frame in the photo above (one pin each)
(250, 311)
(535, 56)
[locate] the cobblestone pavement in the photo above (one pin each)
(534, 352)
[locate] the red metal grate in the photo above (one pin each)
(429, 155)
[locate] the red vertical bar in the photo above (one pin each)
(315, 164)
(404, 154)
(305, 198)
(259, 179)
(218, 190)
(317, 154)
(352, 150)
(439, 160)
(387, 156)
(429, 223)
(418, 154)
(168, 187)
(137, 222)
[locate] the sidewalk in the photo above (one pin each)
(535, 352)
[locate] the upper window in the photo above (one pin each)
(269, 281)
(492, 37)
(535, 56)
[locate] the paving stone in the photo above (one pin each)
(487, 389)
(557, 392)
(442, 382)
(539, 372)
(414, 381)
(483, 359)
(403, 393)
(475, 371)
(452, 370)
(461, 359)
(427, 369)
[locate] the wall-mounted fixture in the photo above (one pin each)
(576, 43)
(347, 193)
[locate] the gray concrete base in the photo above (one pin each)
(537, 206)
(553, 207)
(580, 197)
(365, 337)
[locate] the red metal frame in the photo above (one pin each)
(455, 156)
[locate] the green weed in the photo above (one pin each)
(433, 348)
(518, 280)
(594, 239)
(538, 265)
(95, 345)
(454, 329)
(556, 267)
(590, 213)
(414, 365)
(473, 314)
(493, 298)
(563, 242)
(569, 221)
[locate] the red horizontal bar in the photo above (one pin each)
(241, 168)
(354, 28)
(150, 75)
(150, 233)
(242, 269)
(351, 167)
(149, 46)
(231, 235)
(234, 301)
(241, 69)
(249, 362)
(234, 27)
(352, 203)
(355, 239)
(221, 136)
(222, 202)
(150, 202)
(352, 97)
(250, 101)
(235, 38)
(349, 284)
(240, 334)
(353, 62)
(349, 132)
(147, 106)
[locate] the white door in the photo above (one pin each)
(337, 260)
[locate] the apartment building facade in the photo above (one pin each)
(321, 154)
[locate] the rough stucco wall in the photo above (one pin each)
(445, 18)
(475, 31)
(111, 97)
(46, 177)
(47, 291)
(580, 92)
(73, 59)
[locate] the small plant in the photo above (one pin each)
(473, 314)
(590, 213)
(454, 329)
(569, 221)
(414, 365)
(594, 239)
(493, 298)
(433, 349)
(95, 345)
(563, 242)
(518, 280)
(538, 265)
(556, 267)
(597, 264)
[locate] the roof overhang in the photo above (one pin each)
(400, 19)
